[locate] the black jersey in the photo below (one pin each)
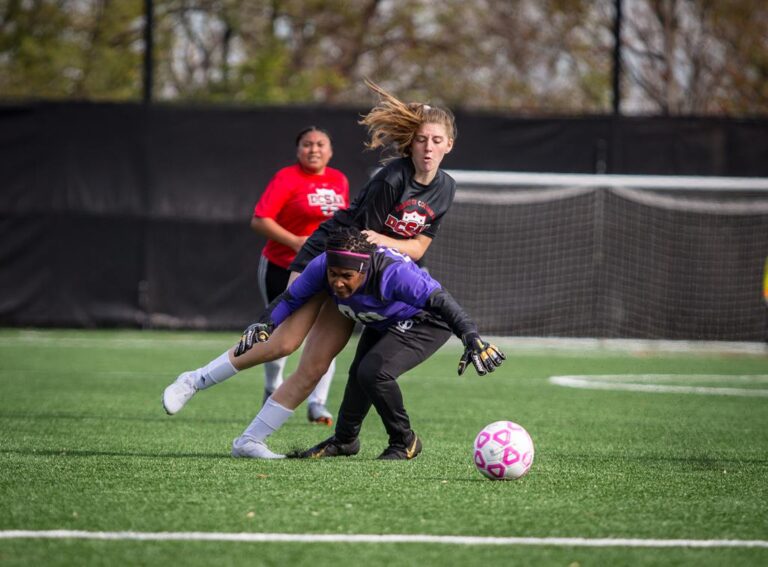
(392, 203)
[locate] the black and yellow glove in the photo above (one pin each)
(255, 333)
(484, 356)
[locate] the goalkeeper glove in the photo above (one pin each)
(485, 357)
(255, 333)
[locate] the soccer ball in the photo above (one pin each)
(503, 451)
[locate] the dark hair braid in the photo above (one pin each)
(349, 239)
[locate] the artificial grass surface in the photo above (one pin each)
(86, 446)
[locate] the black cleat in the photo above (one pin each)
(331, 447)
(403, 453)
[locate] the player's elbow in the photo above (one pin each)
(417, 249)
(257, 225)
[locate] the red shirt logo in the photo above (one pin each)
(327, 199)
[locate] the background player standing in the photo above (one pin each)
(297, 199)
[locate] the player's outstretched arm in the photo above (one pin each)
(301, 290)
(485, 357)
(260, 331)
(254, 333)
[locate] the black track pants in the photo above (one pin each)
(381, 358)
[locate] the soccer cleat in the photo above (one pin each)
(331, 447)
(318, 413)
(179, 393)
(251, 449)
(403, 453)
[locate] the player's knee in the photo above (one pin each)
(370, 373)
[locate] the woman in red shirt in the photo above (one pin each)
(297, 199)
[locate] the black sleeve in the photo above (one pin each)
(266, 315)
(442, 304)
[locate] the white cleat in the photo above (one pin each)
(318, 413)
(250, 449)
(179, 393)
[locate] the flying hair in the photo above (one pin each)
(392, 123)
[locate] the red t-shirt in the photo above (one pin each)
(299, 202)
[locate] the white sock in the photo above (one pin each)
(320, 394)
(273, 373)
(270, 418)
(215, 372)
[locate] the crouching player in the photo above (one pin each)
(406, 316)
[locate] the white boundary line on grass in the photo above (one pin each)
(374, 538)
(630, 382)
(40, 338)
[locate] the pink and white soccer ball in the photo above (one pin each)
(503, 451)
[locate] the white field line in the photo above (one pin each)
(375, 538)
(565, 346)
(32, 339)
(633, 383)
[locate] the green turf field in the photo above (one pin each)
(85, 445)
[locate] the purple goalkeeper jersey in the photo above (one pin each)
(395, 289)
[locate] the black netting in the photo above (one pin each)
(606, 262)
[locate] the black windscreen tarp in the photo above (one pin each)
(121, 215)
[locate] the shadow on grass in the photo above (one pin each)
(141, 418)
(698, 461)
(80, 453)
